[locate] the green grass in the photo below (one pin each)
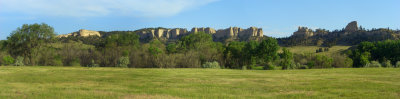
(311, 49)
(80, 82)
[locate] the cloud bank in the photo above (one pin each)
(89, 8)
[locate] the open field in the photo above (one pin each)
(80, 82)
(311, 49)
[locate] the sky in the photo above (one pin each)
(278, 18)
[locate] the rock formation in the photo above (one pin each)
(176, 33)
(303, 32)
(205, 30)
(239, 32)
(161, 33)
(81, 33)
(352, 27)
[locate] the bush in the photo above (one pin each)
(342, 61)
(123, 62)
(303, 67)
(269, 66)
(373, 64)
(292, 65)
(244, 67)
(300, 66)
(397, 64)
(322, 61)
(8, 60)
(93, 64)
(57, 62)
(311, 64)
(19, 61)
(75, 63)
(214, 64)
(387, 64)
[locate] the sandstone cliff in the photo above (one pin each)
(303, 32)
(81, 33)
(352, 27)
(146, 34)
(176, 33)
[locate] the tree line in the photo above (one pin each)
(36, 45)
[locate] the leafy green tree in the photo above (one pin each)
(200, 46)
(171, 48)
(196, 41)
(154, 51)
(364, 58)
(322, 61)
(234, 54)
(268, 50)
(123, 39)
(27, 39)
(287, 59)
(8, 60)
(250, 53)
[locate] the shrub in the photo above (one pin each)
(19, 61)
(214, 64)
(269, 66)
(57, 62)
(93, 64)
(397, 64)
(8, 60)
(373, 64)
(311, 64)
(387, 64)
(75, 63)
(322, 61)
(123, 62)
(341, 61)
(303, 67)
(244, 67)
(292, 65)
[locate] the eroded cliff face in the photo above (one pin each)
(176, 33)
(352, 27)
(147, 34)
(303, 32)
(82, 33)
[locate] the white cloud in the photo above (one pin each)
(79, 8)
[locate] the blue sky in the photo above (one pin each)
(278, 18)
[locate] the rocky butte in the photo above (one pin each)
(81, 33)
(352, 27)
(304, 32)
(234, 33)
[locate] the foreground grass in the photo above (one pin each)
(79, 82)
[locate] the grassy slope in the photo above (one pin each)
(311, 49)
(79, 82)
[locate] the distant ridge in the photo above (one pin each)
(232, 33)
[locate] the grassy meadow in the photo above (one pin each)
(80, 82)
(311, 49)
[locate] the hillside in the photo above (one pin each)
(312, 50)
(351, 35)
